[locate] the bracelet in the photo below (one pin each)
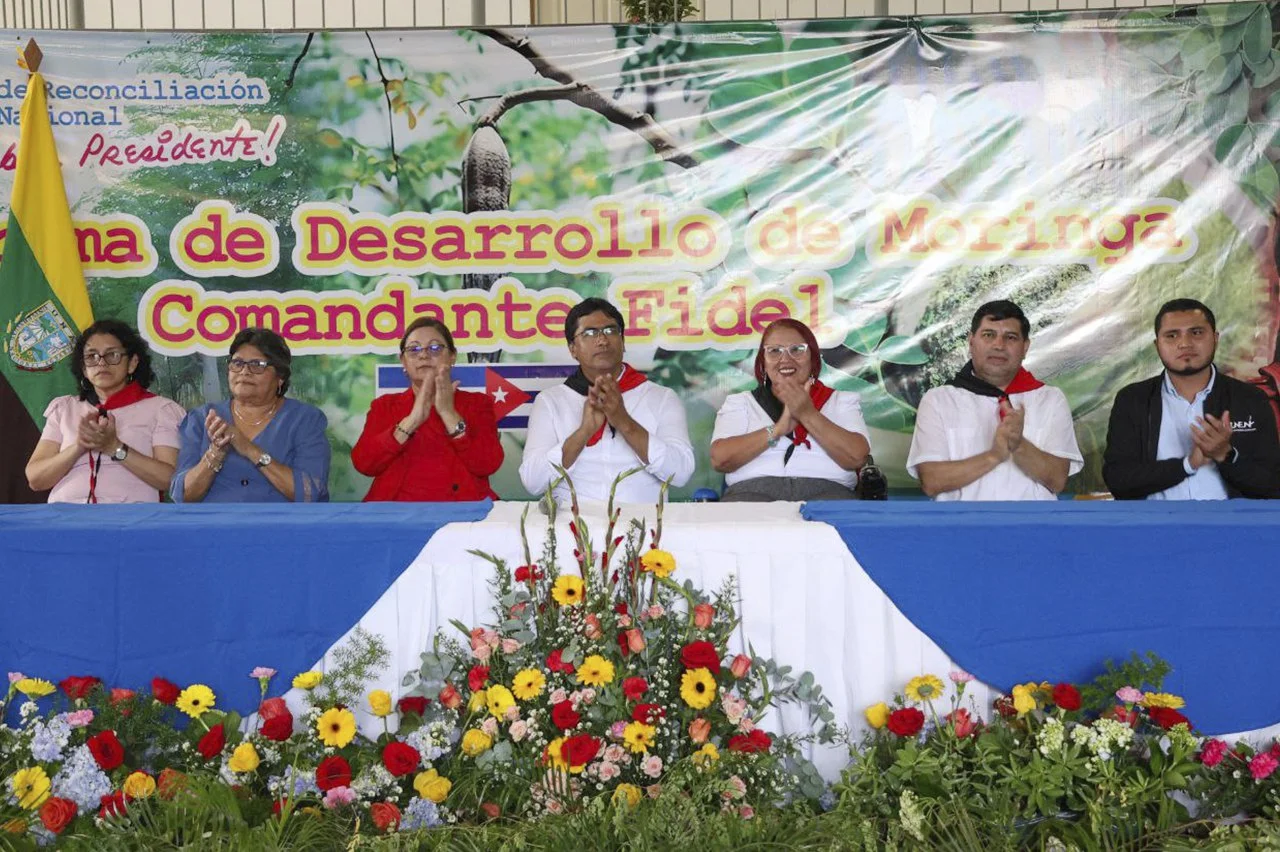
(216, 468)
(770, 437)
(404, 431)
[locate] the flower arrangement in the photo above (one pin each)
(1045, 768)
(602, 686)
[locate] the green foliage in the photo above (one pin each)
(356, 662)
(1146, 673)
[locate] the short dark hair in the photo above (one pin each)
(1001, 309)
(590, 306)
(429, 322)
(1178, 305)
(272, 346)
(134, 347)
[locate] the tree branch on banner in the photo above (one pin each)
(584, 95)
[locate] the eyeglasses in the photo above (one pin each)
(593, 333)
(796, 351)
(257, 366)
(431, 350)
(112, 357)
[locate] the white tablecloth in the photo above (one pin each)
(804, 600)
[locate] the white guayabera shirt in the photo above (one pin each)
(954, 424)
(557, 413)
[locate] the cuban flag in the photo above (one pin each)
(512, 388)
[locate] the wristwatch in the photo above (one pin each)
(459, 429)
(263, 460)
(121, 453)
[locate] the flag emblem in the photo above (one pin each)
(41, 339)
(511, 388)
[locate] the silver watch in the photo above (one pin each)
(263, 460)
(121, 453)
(459, 429)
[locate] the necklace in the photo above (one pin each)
(264, 418)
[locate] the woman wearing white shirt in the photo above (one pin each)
(792, 438)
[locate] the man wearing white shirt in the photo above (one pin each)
(994, 432)
(605, 420)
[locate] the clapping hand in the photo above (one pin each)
(220, 432)
(794, 396)
(444, 389)
(1212, 437)
(90, 433)
(592, 414)
(1012, 423)
(609, 400)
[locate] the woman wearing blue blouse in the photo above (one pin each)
(259, 447)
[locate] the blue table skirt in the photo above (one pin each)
(198, 594)
(1021, 591)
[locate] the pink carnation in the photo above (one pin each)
(558, 696)
(261, 672)
(1129, 695)
(14, 677)
(338, 796)
(652, 766)
(607, 771)
(617, 729)
(490, 726)
(1212, 752)
(510, 645)
(79, 718)
(1262, 765)
(614, 754)
(960, 676)
(519, 728)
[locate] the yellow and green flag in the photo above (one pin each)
(43, 300)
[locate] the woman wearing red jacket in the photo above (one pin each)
(432, 442)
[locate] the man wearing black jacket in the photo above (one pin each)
(1191, 433)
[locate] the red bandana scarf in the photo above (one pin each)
(1022, 382)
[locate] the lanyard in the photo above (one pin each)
(95, 465)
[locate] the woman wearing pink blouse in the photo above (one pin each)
(114, 442)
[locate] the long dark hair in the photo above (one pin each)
(134, 347)
(815, 355)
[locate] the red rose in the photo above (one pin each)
(385, 815)
(578, 749)
(906, 722)
(756, 741)
(120, 696)
(1066, 696)
(556, 663)
(623, 646)
(112, 805)
(620, 607)
(491, 810)
(400, 758)
(106, 750)
(212, 743)
(1122, 714)
(1004, 706)
(57, 813)
(964, 724)
(647, 714)
(700, 655)
(634, 687)
(333, 772)
(78, 687)
(412, 704)
(1167, 717)
(477, 677)
(165, 691)
(563, 716)
(277, 721)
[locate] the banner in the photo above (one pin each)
(876, 178)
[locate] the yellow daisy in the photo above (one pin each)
(698, 688)
(638, 736)
(528, 683)
(1163, 699)
(195, 700)
(479, 701)
(336, 727)
(34, 687)
(568, 590)
(499, 698)
(475, 742)
(924, 688)
(659, 562)
(30, 787)
(555, 754)
(595, 671)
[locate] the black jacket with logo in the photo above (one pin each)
(1133, 438)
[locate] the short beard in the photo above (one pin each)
(1188, 371)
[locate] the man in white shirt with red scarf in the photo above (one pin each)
(607, 418)
(994, 432)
